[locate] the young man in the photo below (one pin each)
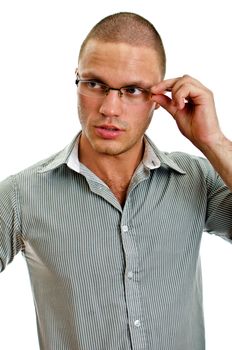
(111, 227)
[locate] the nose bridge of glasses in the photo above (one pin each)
(108, 88)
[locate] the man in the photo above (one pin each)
(111, 227)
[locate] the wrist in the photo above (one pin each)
(215, 145)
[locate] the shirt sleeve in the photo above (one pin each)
(10, 236)
(219, 206)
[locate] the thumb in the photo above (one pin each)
(165, 102)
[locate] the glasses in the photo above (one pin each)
(128, 94)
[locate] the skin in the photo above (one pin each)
(191, 105)
(117, 65)
(197, 120)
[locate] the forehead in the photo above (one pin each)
(120, 61)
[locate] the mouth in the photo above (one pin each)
(107, 131)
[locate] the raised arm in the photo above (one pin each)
(192, 106)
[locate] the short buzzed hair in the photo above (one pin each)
(129, 28)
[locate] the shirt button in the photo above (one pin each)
(130, 275)
(137, 323)
(125, 228)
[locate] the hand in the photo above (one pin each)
(192, 107)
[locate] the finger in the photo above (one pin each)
(182, 95)
(165, 85)
(186, 79)
(165, 102)
(178, 100)
(174, 84)
(188, 92)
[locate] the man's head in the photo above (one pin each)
(128, 28)
(125, 53)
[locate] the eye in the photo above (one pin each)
(92, 84)
(133, 90)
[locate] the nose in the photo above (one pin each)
(111, 105)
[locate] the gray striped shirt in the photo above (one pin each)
(107, 277)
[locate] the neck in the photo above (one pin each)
(115, 170)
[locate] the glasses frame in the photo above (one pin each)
(107, 88)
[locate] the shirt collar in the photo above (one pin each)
(60, 158)
(163, 157)
(153, 158)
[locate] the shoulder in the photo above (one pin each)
(31, 174)
(182, 162)
(198, 169)
(189, 162)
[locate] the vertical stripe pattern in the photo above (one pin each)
(107, 277)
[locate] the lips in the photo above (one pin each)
(108, 131)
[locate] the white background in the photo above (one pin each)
(39, 47)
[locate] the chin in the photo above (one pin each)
(110, 149)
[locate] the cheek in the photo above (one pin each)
(86, 108)
(149, 112)
(143, 119)
(144, 114)
(87, 104)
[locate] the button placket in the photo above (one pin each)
(132, 288)
(125, 228)
(137, 323)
